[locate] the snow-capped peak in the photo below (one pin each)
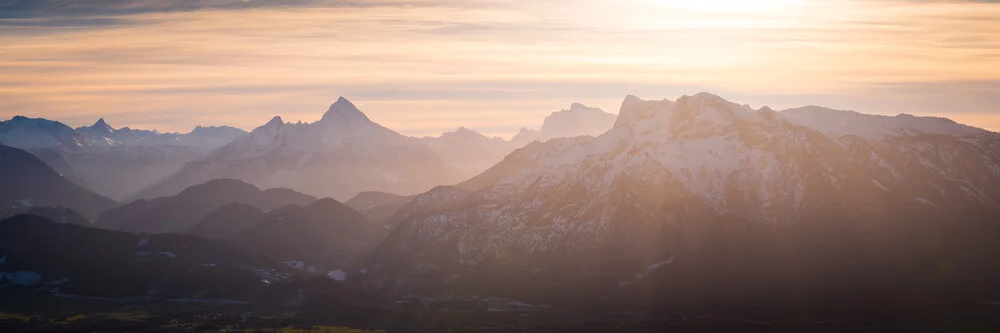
(338, 156)
(27, 133)
(343, 126)
(261, 140)
(102, 134)
(102, 126)
(34, 122)
(344, 110)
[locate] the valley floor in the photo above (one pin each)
(57, 314)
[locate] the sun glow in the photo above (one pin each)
(729, 6)
(423, 69)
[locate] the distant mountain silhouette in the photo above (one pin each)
(25, 177)
(204, 138)
(340, 155)
(472, 152)
(181, 212)
(578, 120)
(116, 163)
(468, 151)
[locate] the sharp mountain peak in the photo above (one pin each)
(102, 125)
(344, 109)
(276, 121)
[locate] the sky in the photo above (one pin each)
(422, 67)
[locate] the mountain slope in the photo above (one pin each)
(227, 221)
(57, 161)
(69, 259)
(333, 218)
(25, 177)
(377, 206)
(180, 212)
(324, 234)
(99, 133)
(670, 176)
(338, 156)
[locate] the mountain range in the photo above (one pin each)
(472, 153)
(338, 156)
(697, 199)
(364, 155)
(116, 163)
(208, 138)
(600, 213)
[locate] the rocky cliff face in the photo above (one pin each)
(610, 209)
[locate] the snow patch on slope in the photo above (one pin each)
(338, 275)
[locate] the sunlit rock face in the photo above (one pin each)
(673, 179)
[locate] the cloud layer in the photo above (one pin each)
(424, 67)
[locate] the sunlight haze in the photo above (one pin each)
(423, 67)
(551, 166)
